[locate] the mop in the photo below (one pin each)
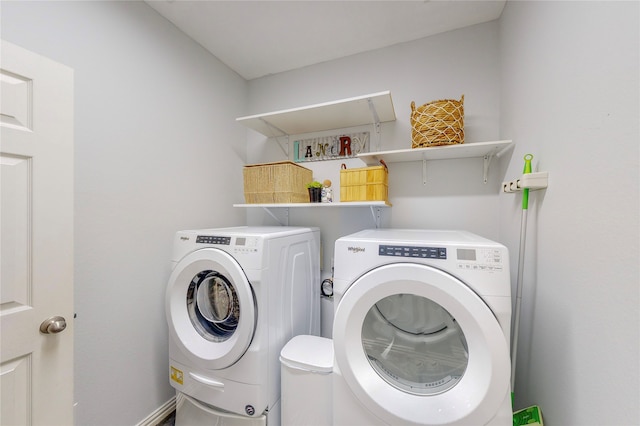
(530, 415)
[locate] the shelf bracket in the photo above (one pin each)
(376, 122)
(275, 130)
(285, 148)
(375, 212)
(485, 174)
(487, 162)
(286, 216)
(424, 171)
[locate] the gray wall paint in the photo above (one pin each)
(443, 66)
(559, 78)
(569, 95)
(157, 150)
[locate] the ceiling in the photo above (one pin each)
(258, 38)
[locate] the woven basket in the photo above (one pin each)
(280, 182)
(437, 123)
(364, 183)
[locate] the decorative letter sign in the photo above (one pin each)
(330, 147)
(345, 146)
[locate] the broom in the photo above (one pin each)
(530, 415)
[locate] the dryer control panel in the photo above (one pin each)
(413, 251)
(479, 259)
(212, 239)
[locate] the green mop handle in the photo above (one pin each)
(525, 191)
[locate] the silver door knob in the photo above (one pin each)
(53, 325)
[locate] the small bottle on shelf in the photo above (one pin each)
(327, 192)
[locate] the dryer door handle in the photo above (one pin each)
(207, 381)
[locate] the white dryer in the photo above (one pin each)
(421, 330)
(234, 298)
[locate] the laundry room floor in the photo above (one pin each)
(170, 420)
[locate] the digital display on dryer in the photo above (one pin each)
(466, 254)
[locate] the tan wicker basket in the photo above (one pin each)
(364, 183)
(437, 123)
(280, 182)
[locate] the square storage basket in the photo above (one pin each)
(280, 182)
(437, 123)
(365, 183)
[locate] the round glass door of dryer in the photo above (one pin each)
(414, 344)
(211, 308)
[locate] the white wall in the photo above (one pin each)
(155, 131)
(443, 66)
(157, 150)
(561, 80)
(570, 94)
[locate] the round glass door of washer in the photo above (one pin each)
(211, 308)
(414, 344)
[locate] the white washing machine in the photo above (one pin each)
(421, 330)
(234, 298)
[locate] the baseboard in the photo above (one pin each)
(160, 413)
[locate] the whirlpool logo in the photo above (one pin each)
(355, 249)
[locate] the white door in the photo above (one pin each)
(36, 232)
(417, 346)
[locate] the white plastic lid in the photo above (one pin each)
(311, 353)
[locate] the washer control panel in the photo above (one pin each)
(212, 239)
(413, 251)
(245, 245)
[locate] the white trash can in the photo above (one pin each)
(306, 367)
